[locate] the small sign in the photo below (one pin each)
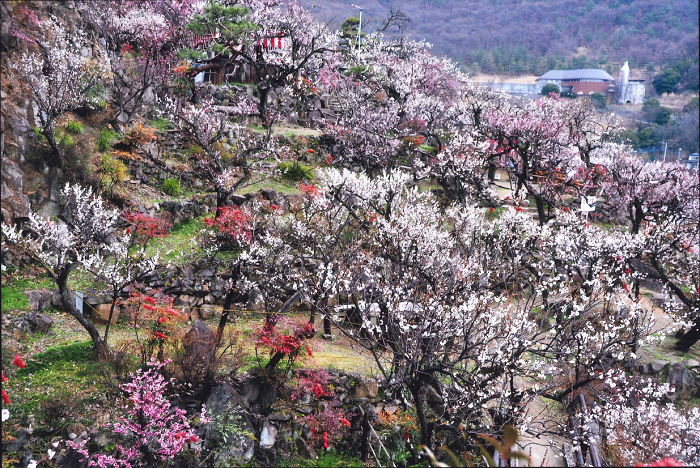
(588, 203)
(497, 176)
(79, 301)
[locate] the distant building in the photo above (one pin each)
(583, 81)
(629, 91)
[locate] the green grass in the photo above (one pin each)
(327, 459)
(58, 374)
(80, 280)
(104, 141)
(172, 187)
(74, 127)
(66, 140)
(284, 189)
(13, 297)
(178, 242)
(162, 124)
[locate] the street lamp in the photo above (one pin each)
(359, 29)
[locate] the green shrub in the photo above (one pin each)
(171, 187)
(192, 151)
(550, 88)
(67, 140)
(41, 136)
(599, 100)
(96, 96)
(112, 172)
(107, 135)
(162, 124)
(295, 171)
(74, 127)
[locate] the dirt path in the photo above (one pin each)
(542, 451)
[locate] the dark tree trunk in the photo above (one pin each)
(68, 306)
(274, 360)
(636, 216)
(262, 105)
(492, 171)
(115, 296)
(220, 201)
(56, 159)
(228, 302)
(689, 338)
(540, 211)
(425, 436)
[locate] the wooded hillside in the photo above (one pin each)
(516, 36)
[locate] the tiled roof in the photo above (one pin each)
(579, 74)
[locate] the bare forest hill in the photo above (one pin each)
(534, 36)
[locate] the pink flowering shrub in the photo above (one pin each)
(150, 428)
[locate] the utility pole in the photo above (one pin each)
(678, 160)
(359, 29)
(665, 146)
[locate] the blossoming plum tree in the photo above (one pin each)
(641, 425)
(143, 38)
(647, 191)
(395, 97)
(546, 145)
(451, 303)
(89, 235)
(661, 202)
(241, 33)
(59, 78)
(208, 127)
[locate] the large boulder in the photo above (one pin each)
(56, 299)
(268, 436)
(258, 395)
(365, 388)
(679, 376)
(657, 366)
(305, 450)
(198, 343)
(256, 301)
(651, 368)
(43, 323)
(207, 311)
(39, 299)
(229, 432)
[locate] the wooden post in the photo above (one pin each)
(579, 452)
(365, 436)
(592, 446)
